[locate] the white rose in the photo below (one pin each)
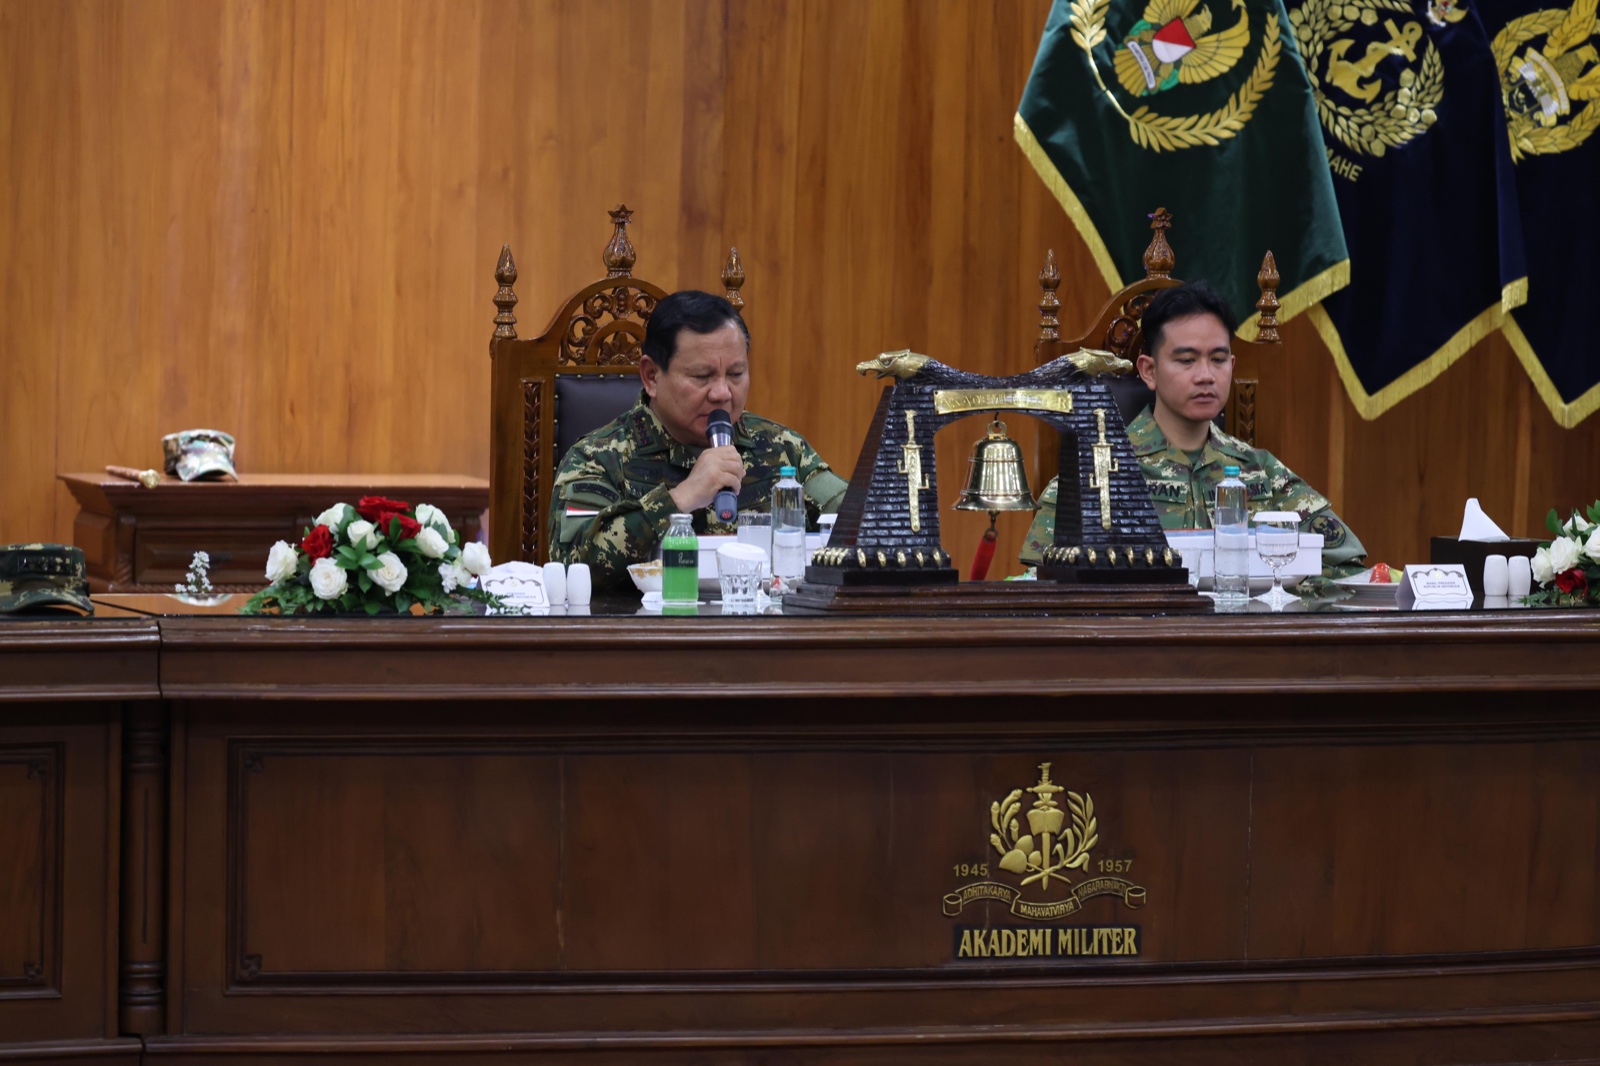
(1564, 554)
(362, 533)
(331, 517)
(1542, 570)
(327, 580)
(429, 543)
(281, 562)
(1592, 549)
(1577, 524)
(390, 573)
(429, 515)
(475, 557)
(452, 575)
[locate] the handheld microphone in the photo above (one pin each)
(719, 431)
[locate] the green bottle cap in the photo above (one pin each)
(1230, 471)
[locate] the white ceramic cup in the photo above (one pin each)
(579, 585)
(1520, 580)
(555, 583)
(1496, 576)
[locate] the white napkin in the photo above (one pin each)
(1475, 525)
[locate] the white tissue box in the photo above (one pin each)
(1198, 546)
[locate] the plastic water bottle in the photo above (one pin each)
(1231, 561)
(788, 532)
(680, 562)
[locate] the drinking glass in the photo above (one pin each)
(1277, 542)
(755, 529)
(739, 570)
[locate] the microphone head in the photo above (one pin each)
(718, 424)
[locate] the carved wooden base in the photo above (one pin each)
(994, 598)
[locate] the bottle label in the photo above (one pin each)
(689, 557)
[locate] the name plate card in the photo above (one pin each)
(1435, 587)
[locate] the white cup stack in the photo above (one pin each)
(579, 585)
(1496, 576)
(1520, 578)
(555, 583)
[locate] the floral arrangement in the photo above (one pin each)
(380, 557)
(197, 582)
(1568, 568)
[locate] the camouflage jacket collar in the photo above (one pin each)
(650, 437)
(1149, 442)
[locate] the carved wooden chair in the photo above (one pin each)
(576, 376)
(1117, 329)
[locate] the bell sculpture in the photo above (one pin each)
(996, 481)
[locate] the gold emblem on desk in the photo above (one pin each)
(1042, 851)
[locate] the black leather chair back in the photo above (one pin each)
(585, 402)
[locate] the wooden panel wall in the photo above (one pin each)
(280, 218)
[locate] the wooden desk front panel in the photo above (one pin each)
(59, 777)
(726, 869)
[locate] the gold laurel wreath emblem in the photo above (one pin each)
(1168, 133)
(1528, 138)
(1402, 114)
(1019, 852)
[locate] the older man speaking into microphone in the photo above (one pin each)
(618, 486)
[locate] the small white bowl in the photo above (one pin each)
(646, 576)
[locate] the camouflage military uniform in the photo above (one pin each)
(1185, 494)
(612, 496)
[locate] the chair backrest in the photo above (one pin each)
(1117, 329)
(576, 376)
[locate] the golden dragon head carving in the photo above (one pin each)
(900, 365)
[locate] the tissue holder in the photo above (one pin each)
(1472, 553)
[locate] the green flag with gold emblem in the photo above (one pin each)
(1199, 106)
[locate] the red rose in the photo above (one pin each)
(409, 527)
(378, 509)
(1574, 580)
(318, 543)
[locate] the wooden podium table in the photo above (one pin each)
(1371, 838)
(141, 540)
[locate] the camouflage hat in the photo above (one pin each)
(32, 575)
(194, 453)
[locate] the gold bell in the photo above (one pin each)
(997, 480)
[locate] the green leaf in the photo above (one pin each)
(1553, 523)
(344, 551)
(372, 608)
(370, 562)
(364, 581)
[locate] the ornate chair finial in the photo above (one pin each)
(1049, 303)
(1158, 258)
(505, 272)
(733, 279)
(619, 255)
(1268, 304)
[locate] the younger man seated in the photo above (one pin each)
(1188, 362)
(618, 486)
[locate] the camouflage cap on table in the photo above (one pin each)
(194, 453)
(32, 575)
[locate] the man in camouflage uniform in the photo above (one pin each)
(617, 487)
(1182, 452)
